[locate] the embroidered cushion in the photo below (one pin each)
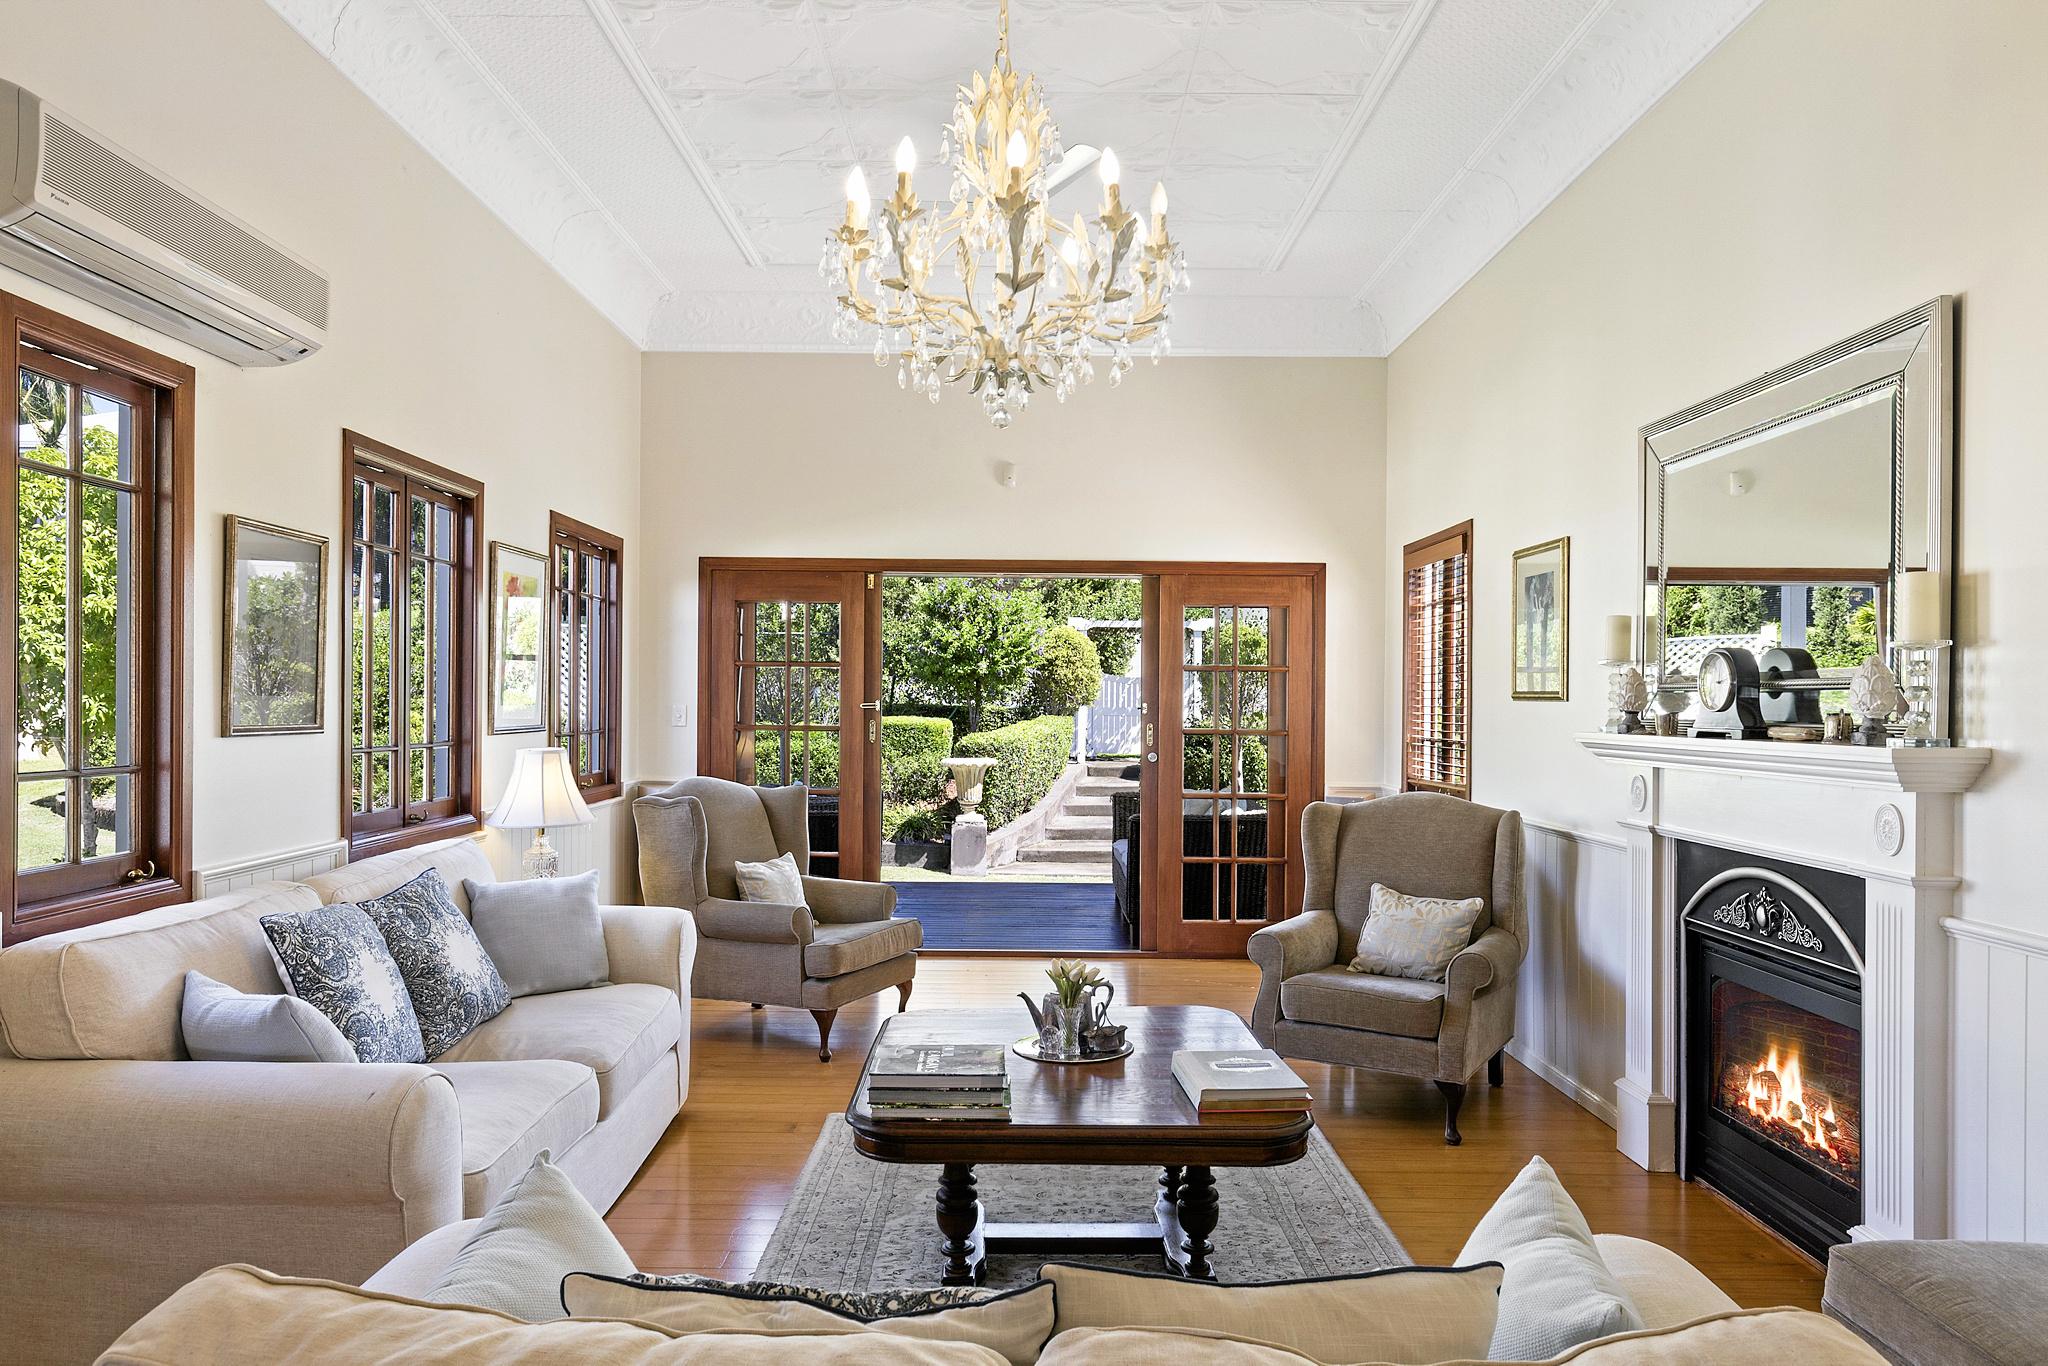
(453, 983)
(776, 881)
(1414, 936)
(332, 958)
(221, 1024)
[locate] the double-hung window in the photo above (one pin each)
(584, 613)
(1436, 679)
(410, 750)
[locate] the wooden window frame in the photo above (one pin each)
(162, 872)
(463, 813)
(1451, 541)
(601, 783)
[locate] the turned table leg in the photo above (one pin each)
(959, 1215)
(1198, 1208)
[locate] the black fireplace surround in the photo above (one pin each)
(1770, 1039)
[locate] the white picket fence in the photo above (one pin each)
(1115, 721)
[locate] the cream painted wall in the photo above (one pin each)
(450, 339)
(1196, 459)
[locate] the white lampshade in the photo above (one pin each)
(542, 793)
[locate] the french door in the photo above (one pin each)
(1236, 757)
(787, 665)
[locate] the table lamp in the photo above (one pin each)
(542, 793)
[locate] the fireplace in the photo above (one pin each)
(1771, 1102)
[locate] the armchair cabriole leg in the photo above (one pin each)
(824, 1019)
(902, 997)
(1496, 1068)
(1454, 1096)
(758, 1006)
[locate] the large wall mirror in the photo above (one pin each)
(1781, 512)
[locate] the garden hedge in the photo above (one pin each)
(914, 750)
(1030, 756)
(824, 755)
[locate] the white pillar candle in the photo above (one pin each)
(1919, 610)
(1620, 638)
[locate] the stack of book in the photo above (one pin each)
(939, 1081)
(1239, 1080)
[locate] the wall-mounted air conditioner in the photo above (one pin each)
(79, 213)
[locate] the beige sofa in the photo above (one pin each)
(129, 1169)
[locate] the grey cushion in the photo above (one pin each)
(544, 934)
(839, 949)
(1953, 1303)
(453, 983)
(221, 1024)
(1350, 1000)
(333, 958)
(1557, 1292)
(542, 1230)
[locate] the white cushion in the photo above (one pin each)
(1414, 936)
(225, 1025)
(541, 1230)
(1557, 1292)
(545, 934)
(776, 881)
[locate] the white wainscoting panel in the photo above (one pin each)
(1568, 1015)
(1999, 1036)
(290, 865)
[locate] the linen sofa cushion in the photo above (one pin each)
(116, 989)
(1760, 1336)
(1664, 1287)
(544, 934)
(241, 1316)
(1939, 1300)
(457, 860)
(1164, 1347)
(333, 957)
(836, 950)
(1414, 936)
(511, 1112)
(619, 1032)
(536, 1233)
(1402, 1314)
(221, 1024)
(1557, 1292)
(453, 984)
(778, 881)
(1384, 1005)
(1015, 1323)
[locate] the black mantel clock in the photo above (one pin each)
(1730, 691)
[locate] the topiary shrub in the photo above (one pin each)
(1067, 676)
(914, 750)
(1029, 758)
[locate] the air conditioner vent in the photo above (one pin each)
(76, 164)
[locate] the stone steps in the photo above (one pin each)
(1064, 827)
(1065, 851)
(1086, 806)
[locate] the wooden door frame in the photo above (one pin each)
(1148, 570)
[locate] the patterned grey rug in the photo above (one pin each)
(857, 1224)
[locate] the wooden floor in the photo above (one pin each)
(710, 1195)
(1051, 917)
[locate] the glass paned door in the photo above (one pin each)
(784, 707)
(1236, 755)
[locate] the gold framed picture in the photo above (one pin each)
(519, 586)
(273, 630)
(1542, 621)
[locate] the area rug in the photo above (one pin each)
(857, 1224)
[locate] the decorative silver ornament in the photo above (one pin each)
(1626, 690)
(1873, 692)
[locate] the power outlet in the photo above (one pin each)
(679, 716)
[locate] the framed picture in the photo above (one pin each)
(519, 588)
(273, 630)
(1542, 620)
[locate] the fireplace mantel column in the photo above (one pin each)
(1646, 1115)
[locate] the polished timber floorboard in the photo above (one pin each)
(1051, 917)
(708, 1198)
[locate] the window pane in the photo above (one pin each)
(358, 578)
(1252, 882)
(442, 665)
(39, 830)
(565, 666)
(583, 671)
(107, 823)
(357, 772)
(383, 614)
(443, 772)
(444, 531)
(361, 496)
(418, 522)
(1258, 702)
(824, 703)
(824, 630)
(417, 623)
(42, 651)
(417, 763)
(385, 517)
(43, 417)
(1254, 644)
(106, 432)
(380, 780)
(769, 689)
(768, 634)
(106, 625)
(1198, 633)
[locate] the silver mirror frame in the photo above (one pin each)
(1937, 492)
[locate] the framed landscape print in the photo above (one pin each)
(1542, 620)
(274, 630)
(518, 634)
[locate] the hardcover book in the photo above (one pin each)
(937, 1066)
(1239, 1079)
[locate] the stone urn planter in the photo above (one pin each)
(967, 779)
(970, 827)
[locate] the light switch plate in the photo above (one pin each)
(680, 716)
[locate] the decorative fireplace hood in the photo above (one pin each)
(1885, 815)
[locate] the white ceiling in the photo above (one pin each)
(1337, 167)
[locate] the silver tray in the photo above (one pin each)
(1027, 1047)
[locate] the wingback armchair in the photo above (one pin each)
(1311, 1005)
(844, 944)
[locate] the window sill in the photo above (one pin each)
(406, 836)
(602, 792)
(90, 908)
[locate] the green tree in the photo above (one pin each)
(1841, 635)
(969, 640)
(1099, 600)
(1067, 676)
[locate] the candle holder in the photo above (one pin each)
(1626, 697)
(1916, 660)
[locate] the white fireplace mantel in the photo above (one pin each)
(1885, 815)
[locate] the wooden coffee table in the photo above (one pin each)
(1124, 1113)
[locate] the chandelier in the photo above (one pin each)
(1031, 301)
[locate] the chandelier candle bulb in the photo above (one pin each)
(856, 199)
(1159, 211)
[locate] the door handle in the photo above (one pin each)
(871, 706)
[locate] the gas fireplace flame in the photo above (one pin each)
(1776, 1092)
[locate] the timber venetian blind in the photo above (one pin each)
(1436, 716)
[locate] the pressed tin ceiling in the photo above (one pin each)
(1338, 168)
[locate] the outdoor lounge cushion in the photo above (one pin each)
(1384, 1005)
(840, 949)
(619, 1032)
(1956, 1303)
(511, 1112)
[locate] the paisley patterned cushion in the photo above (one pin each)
(1413, 936)
(453, 983)
(333, 959)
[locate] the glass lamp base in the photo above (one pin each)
(541, 858)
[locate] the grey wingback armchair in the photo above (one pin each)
(845, 944)
(1311, 1005)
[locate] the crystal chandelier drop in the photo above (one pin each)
(1035, 301)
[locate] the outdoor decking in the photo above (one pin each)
(1053, 917)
